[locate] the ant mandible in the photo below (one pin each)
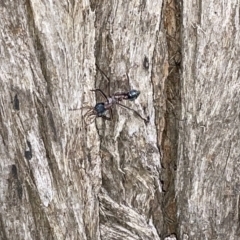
(100, 109)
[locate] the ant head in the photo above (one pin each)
(133, 94)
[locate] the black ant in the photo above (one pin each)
(100, 109)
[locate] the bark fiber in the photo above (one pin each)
(176, 177)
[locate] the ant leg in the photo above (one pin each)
(108, 79)
(89, 117)
(99, 90)
(138, 114)
(128, 79)
(102, 72)
(106, 118)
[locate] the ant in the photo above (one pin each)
(100, 109)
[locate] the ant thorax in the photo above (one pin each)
(112, 100)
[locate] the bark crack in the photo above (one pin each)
(172, 24)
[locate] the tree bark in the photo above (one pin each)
(65, 177)
(207, 181)
(62, 178)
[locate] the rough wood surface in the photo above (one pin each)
(207, 186)
(61, 178)
(173, 178)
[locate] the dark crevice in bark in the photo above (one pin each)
(172, 21)
(16, 105)
(28, 151)
(17, 185)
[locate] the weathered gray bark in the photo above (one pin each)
(64, 179)
(61, 178)
(209, 145)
